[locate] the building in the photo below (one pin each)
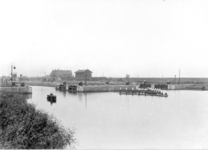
(83, 74)
(23, 78)
(63, 74)
(47, 78)
(5, 79)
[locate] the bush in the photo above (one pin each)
(23, 126)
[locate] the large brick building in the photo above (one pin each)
(63, 74)
(83, 74)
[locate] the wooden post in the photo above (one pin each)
(11, 74)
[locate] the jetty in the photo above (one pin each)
(145, 92)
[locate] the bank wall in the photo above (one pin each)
(22, 90)
(49, 84)
(100, 88)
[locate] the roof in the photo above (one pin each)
(61, 71)
(80, 71)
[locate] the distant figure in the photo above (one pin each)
(22, 84)
(13, 83)
(80, 84)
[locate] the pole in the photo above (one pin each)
(179, 76)
(175, 79)
(11, 73)
(12, 67)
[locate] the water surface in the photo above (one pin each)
(113, 121)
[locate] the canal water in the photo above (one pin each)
(113, 121)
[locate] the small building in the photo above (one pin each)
(83, 74)
(5, 80)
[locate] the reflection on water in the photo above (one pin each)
(113, 121)
(85, 100)
(80, 95)
(51, 102)
(64, 93)
(61, 92)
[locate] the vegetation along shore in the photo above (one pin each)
(22, 126)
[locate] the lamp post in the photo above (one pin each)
(12, 67)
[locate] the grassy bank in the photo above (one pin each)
(22, 126)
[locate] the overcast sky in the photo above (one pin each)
(145, 38)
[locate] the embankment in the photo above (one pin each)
(99, 86)
(188, 87)
(22, 90)
(53, 84)
(49, 84)
(25, 127)
(108, 88)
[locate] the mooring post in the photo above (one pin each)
(12, 67)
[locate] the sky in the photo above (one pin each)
(112, 38)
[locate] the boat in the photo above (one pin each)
(61, 87)
(51, 98)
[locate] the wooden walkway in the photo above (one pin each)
(143, 92)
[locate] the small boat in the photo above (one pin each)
(51, 98)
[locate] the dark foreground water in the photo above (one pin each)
(113, 121)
